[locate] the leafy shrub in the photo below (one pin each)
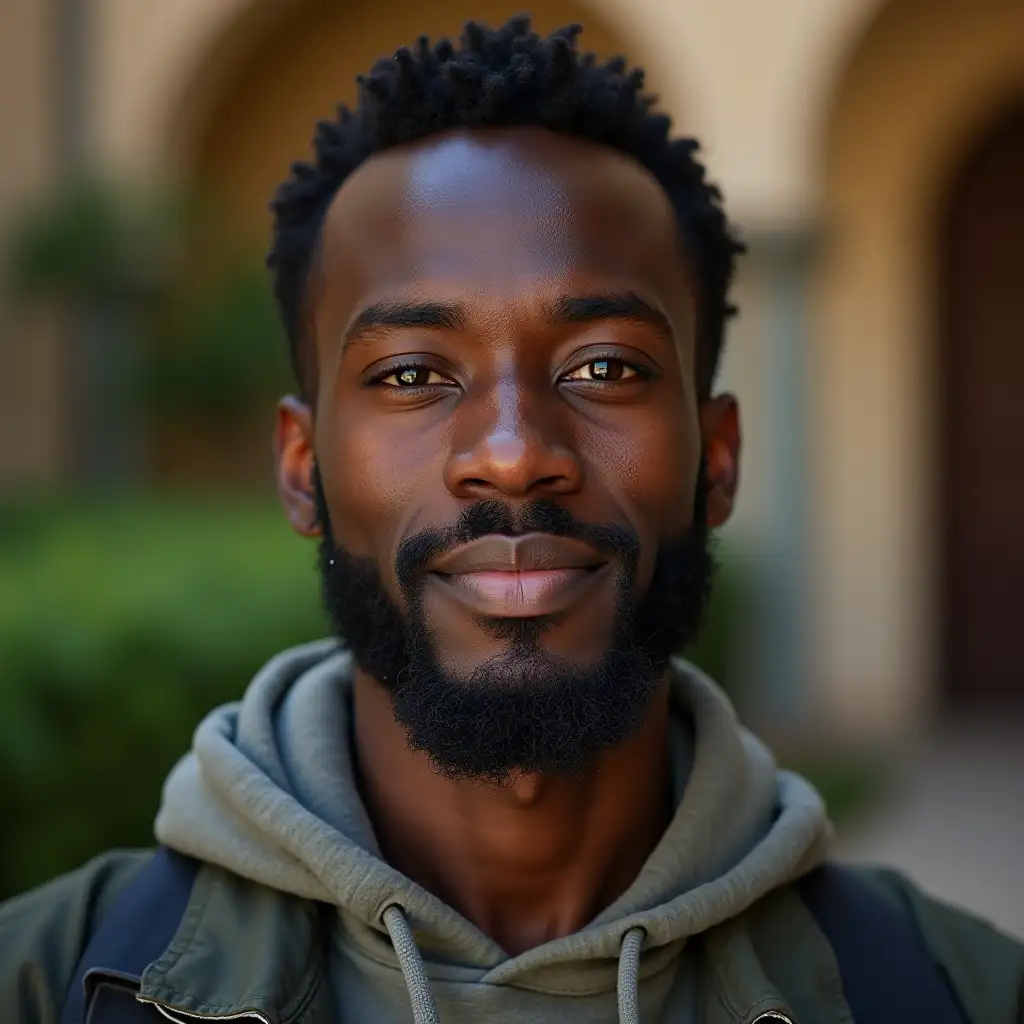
(95, 240)
(224, 352)
(120, 627)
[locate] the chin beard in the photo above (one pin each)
(524, 710)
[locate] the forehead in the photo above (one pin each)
(499, 213)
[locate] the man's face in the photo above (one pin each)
(508, 443)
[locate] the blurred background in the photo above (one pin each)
(869, 617)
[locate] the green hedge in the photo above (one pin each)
(120, 626)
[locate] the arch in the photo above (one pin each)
(924, 77)
(251, 102)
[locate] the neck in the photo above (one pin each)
(526, 862)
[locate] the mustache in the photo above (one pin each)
(484, 518)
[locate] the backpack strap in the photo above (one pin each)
(888, 974)
(136, 930)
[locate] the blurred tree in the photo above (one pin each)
(216, 367)
(222, 352)
(95, 240)
(104, 253)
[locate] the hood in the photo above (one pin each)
(268, 792)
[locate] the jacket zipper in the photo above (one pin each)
(181, 1017)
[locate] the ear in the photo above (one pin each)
(293, 451)
(722, 440)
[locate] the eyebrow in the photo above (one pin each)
(568, 309)
(610, 306)
(445, 315)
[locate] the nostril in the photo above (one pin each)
(535, 470)
(556, 483)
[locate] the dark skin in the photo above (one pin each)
(553, 358)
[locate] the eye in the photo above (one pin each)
(414, 376)
(603, 371)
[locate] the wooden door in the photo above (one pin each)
(982, 300)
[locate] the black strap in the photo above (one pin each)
(889, 976)
(136, 930)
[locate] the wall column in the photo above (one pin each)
(776, 664)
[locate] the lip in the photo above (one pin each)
(520, 577)
(527, 553)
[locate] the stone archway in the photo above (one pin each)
(288, 71)
(922, 78)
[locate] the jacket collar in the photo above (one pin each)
(246, 952)
(243, 951)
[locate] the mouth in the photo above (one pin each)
(520, 577)
(520, 595)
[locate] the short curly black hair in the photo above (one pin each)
(503, 77)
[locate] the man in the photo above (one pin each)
(498, 797)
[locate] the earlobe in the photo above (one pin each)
(720, 432)
(293, 451)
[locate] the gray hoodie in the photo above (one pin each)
(268, 792)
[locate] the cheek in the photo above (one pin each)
(380, 476)
(652, 465)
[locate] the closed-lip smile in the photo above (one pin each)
(519, 577)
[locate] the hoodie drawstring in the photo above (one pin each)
(424, 1009)
(629, 975)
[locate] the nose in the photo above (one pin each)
(507, 445)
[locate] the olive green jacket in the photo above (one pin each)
(243, 951)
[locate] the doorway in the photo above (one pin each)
(981, 298)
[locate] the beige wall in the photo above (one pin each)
(165, 66)
(755, 76)
(927, 77)
(750, 78)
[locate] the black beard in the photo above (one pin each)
(523, 710)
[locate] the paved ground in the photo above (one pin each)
(955, 819)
